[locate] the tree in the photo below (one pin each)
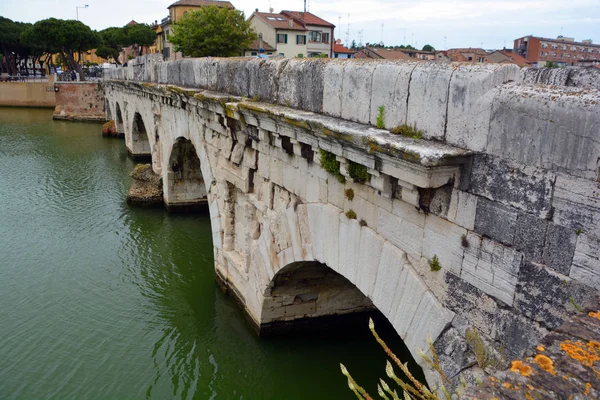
(212, 31)
(428, 47)
(139, 36)
(65, 37)
(353, 45)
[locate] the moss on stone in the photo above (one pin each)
(331, 165)
(349, 194)
(350, 214)
(358, 172)
(408, 131)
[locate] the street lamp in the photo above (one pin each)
(77, 10)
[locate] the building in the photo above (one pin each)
(508, 57)
(562, 50)
(176, 11)
(395, 54)
(258, 44)
(466, 55)
(339, 51)
(293, 33)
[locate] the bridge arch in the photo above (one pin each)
(118, 116)
(140, 143)
(381, 271)
(185, 186)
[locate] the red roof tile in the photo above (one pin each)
(279, 21)
(258, 43)
(338, 48)
(308, 18)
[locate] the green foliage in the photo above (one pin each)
(410, 388)
(358, 172)
(578, 231)
(300, 55)
(331, 165)
(212, 31)
(380, 124)
(408, 131)
(483, 355)
(114, 39)
(349, 194)
(428, 47)
(434, 264)
(350, 214)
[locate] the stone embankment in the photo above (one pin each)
(499, 183)
(79, 101)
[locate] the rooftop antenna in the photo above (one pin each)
(304, 5)
(445, 46)
(381, 34)
(360, 36)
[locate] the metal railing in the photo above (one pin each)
(22, 79)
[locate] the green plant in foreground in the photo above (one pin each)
(408, 131)
(331, 165)
(350, 214)
(434, 264)
(380, 124)
(412, 388)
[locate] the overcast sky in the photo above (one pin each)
(464, 23)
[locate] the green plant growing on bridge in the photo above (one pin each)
(411, 388)
(331, 165)
(434, 264)
(408, 131)
(350, 214)
(484, 356)
(358, 172)
(380, 124)
(349, 194)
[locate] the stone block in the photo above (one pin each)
(186, 73)
(390, 89)
(465, 211)
(200, 68)
(402, 232)
(312, 85)
(586, 261)
(551, 127)
(559, 248)
(263, 76)
(349, 246)
(174, 73)
(333, 77)
(391, 264)
(356, 91)
(496, 221)
(444, 240)
(429, 321)
(576, 204)
(524, 187)
(550, 298)
(411, 293)
(472, 91)
(371, 245)
(330, 224)
(530, 236)
(491, 267)
(428, 98)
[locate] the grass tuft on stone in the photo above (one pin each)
(434, 264)
(350, 214)
(331, 165)
(349, 194)
(408, 131)
(358, 172)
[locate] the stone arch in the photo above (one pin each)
(185, 186)
(381, 271)
(140, 144)
(119, 118)
(157, 151)
(108, 110)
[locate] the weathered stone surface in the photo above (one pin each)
(524, 187)
(356, 91)
(564, 366)
(576, 203)
(333, 79)
(146, 188)
(110, 129)
(559, 248)
(472, 91)
(454, 354)
(428, 99)
(550, 298)
(491, 267)
(530, 235)
(496, 221)
(390, 90)
(586, 261)
(547, 126)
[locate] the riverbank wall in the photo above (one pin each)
(79, 101)
(27, 94)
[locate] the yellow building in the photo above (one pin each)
(87, 57)
(182, 7)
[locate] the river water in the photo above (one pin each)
(100, 300)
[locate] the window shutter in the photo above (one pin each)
(285, 38)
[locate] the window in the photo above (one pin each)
(300, 39)
(481, 59)
(470, 58)
(254, 53)
(282, 38)
(541, 54)
(325, 38)
(564, 46)
(314, 36)
(555, 46)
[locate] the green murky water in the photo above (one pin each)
(99, 300)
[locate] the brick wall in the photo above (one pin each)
(80, 101)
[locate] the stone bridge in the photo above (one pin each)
(480, 224)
